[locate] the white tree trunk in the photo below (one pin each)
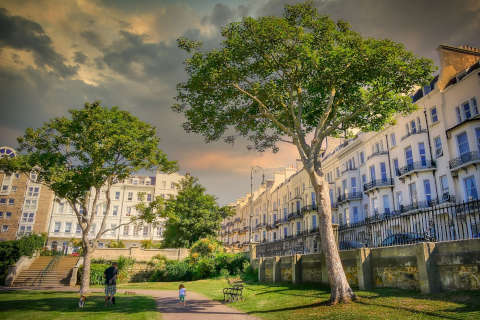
(85, 283)
(339, 287)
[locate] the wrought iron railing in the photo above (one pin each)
(420, 165)
(377, 183)
(464, 159)
(411, 133)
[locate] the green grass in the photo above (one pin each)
(38, 305)
(309, 302)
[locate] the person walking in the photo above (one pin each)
(111, 283)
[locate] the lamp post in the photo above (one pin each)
(252, 169)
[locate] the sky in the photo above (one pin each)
(55, 55)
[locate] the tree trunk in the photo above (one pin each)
(339, 287)
(85, 284)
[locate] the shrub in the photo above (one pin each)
(116, 244)
(205, 247)
(233, 262)
(178, 271)
(204, 268)
(96, 273)
(11, 251)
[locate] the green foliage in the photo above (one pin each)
(192, 215)
(204, 268)
(124, 266)
(205, 247)
(149, 244)
(116, 244)
(98, 267)
(11, 251)
(97, 273)
(274, 78)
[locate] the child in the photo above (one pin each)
(181, 293)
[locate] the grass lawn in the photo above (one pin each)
(38, 305)
(308, 302)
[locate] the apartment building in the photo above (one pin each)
(25, 205)
(427, 158)
(125, 195)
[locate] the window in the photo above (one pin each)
(130, 196)
(299, 227)
(399, 199)
(338, 172)
(383, 171)
(413, 126)
(139, 196)
(149, 197)
(314, 222)
(126, 230)
(466, 110)
(462, 142)
(470, 189)
(372, 173)
(129, 211)
(28, 217)
(477, 135)
(285, 232)
(79, 229)
(434, 115)
(393, 140)
(353, 182)
(386, 204)
(5, 188)
(362, 157)
(57, 227)
(1, 214)
(421, 151)
(11, 201)
(3, 200)
(427, 190)
(364, 178)
(412, 189)
(395, 166)
(159, 231)
(68, 227)
(4, 228)
(145, 230)
(474, 105)
(444, 186)
(115, 210)
(172, 185)
(112, 226)
(33, 177)
(14, 188)
(8, 214)
(459, 114)
(61, 207)
(117, 195)
(33, 192)
(409, 156)
(437, 141)
(344, 185)
(355, 215)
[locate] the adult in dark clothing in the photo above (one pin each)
(111, 283)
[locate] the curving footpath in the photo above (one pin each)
(198, 306)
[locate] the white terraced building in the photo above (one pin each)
(63, 224)
(428, 158)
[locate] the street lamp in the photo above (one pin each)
(252, 170)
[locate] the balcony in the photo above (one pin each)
(311, 207)
(412, 168)
(294, 215)
(377, 153)
(376, 184)
(348, 169)
(464, 160)
(419, 131)
(350, 197)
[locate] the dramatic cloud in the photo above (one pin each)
(19, 33)
(56, 55)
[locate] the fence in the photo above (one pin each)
(415, 223)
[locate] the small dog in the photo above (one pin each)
(81, 302)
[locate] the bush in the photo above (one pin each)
(116, 244)
(11, 251)
(233, 262)
(96, 273)
(204, 268)
(206, 247)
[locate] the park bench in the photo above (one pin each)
(234, 292)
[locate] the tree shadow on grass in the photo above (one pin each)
(53, 301)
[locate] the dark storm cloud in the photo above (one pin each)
(135, 58)
(421, 25)
(80, 57)
(92, 38)
(20, 33)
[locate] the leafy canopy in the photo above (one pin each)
(282, 78)
(97, 145)
(192, 215)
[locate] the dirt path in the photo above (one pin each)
(198, 306)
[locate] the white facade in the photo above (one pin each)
(426, 158)
(125, 196)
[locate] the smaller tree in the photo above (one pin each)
(190, 216)
(81, 157)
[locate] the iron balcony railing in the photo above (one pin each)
(415, 166)
(464, 159)
(411, 133)
(294, 215)
(350, 196)
(310, 207)
(377, 183)
(377, 153)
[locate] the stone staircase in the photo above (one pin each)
(47, 272)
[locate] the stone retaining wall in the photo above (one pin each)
(139, 254)
(428, 267)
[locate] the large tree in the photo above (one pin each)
(81, 157)
(298, 79)
(190, 216)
